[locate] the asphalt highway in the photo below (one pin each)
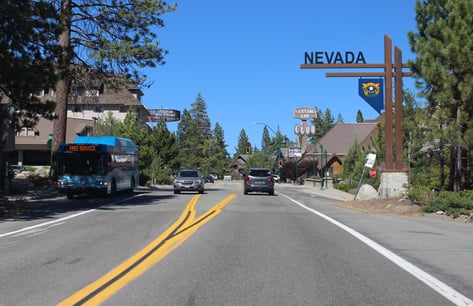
(226, 248)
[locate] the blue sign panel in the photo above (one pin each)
(371, 90)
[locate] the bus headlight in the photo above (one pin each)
(101, 183)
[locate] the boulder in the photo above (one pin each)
(367, 192)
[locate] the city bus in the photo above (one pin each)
(96, 165)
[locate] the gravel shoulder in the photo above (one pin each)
(399, 207)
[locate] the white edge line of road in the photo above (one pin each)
(24, 229)
(448, 292)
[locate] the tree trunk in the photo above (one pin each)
(62, 87)
(458, 177)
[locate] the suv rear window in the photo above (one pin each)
(189, 174)
(259, 172)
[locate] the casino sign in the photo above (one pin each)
(169, 115)
(304, 113)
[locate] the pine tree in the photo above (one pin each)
(329, 120)
(354, 162)
(219, 154)
(132, 129)
(27, 60)
(266, 141)
(107, 126)
(195, 135)
(165, 143)
(108, 36)
(359, 117)
(443, 67)
(243, 143)
(323, 123)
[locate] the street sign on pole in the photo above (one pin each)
(373, 172)
(369, 161)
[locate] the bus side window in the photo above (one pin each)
(108, 163)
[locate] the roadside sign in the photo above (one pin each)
(373, 172)
(305, 113)
(369, 161)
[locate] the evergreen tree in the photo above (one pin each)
(323, 123)
(354, 162)
(184, 140)
(266, 141)
(329, 120)
(261, 159)
(317, 123)
(27, 60)
(243, 143)
(132, 129)
(359, 117)
(200, 118)
(427, 166)
(165, 146)
(340, 118)
(219, 154)
(107, 126)
(195, 135)
(109, 36)
(443, 68)
(182, 128)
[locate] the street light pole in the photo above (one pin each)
(279, 144)
(262, 123)
(323, 154)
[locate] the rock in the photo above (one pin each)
(367, 192)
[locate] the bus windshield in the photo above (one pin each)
(81, 164)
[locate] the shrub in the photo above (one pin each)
(452, 203)
(420, 194)
(346, 187)
(38, 180)
(164, 179)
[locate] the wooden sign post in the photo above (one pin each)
(390, 71)
(394, 175)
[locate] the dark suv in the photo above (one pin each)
(189, 180)
(258, 179)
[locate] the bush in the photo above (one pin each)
(452, 203)
(346, 187)
(38, 180)
(420, 194)
(164, 179)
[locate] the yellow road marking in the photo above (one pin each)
(109, 284)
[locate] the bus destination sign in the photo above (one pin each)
(82, 148)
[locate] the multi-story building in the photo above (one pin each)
(32, 145)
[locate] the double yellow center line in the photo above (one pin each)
(109, 284)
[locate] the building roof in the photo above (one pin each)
(339, 139)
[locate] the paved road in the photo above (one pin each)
(229, 249)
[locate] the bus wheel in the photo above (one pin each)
(113, 188)
(132, 185)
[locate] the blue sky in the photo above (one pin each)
(244, 58)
